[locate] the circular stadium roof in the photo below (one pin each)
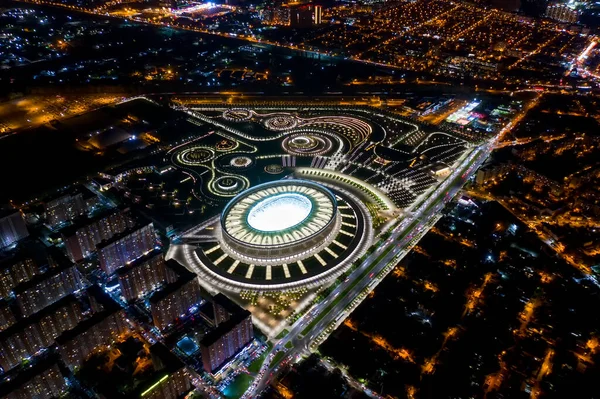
(278, 213)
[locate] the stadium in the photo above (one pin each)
(348, 171)
(284, 234)
(279, 222)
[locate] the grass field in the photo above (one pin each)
(278, 356)
(282, 334)
(254, 367)
(238, 386)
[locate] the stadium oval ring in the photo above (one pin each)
(251, 266)
(277, 220)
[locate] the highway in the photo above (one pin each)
(368, 274)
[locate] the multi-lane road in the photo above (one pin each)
(367, 275)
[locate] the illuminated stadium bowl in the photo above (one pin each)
(279, 221)
(279, 212)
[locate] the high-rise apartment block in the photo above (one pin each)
(82, 238)
(7, 317)
(12, 227)
(18, 267)
(27, 337)
(101, 329)
(301, 16)
(177, 298)
(68, 206)
(317, 15)
(233, 332)
(126, 247)
(45, 289)
(225, 341)
(489, 172)
(144, 275)
(42, 381)
(279, 16)
(171, 379)
(563, 13)
(295, 15)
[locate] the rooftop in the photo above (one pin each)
(214, 335)
(85, 221)
(227, 303)
(185, 276)
(59, 267)
(72, 191)
(39, 367)
(27, 248)
(5, 212)
(118, 237)
(109, 307)
(36, 317)
(145, 258)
